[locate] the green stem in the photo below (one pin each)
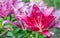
(26, 34)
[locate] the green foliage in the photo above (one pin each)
(55, 3)
(25, 1)
(9, 34)
(0, 25)
(1, 30)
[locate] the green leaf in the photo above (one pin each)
(9, 34)
(15, 31)
(20, 36)
(1, 19)
(25, 1)
(0, 25)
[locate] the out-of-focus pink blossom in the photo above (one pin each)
(5, 8)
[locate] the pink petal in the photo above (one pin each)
(18, 5)
(57, 25)
(35, 9)
(57, 14)
(47, 21)
(33, 28)
(47, 33)
(48, 11)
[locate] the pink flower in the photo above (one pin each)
(39, 21)
(33, 17)
(5, 8)
(20, 8)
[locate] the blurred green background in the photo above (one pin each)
(14, 32)
(55, 3)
